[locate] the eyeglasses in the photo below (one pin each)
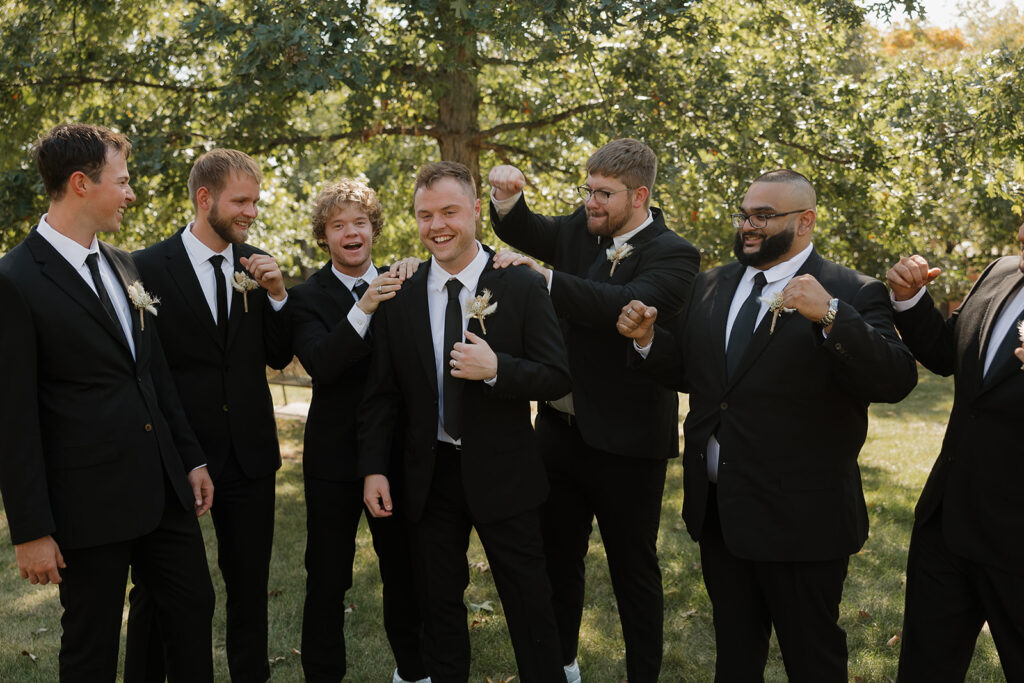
(600, 196)
(758, 220)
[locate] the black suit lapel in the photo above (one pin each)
(237, 298)
(1002, 368)
(56, 268)
(179, 265)
(724, 293)
(334, 290)
(418, 313)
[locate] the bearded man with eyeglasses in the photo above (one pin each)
(781, 353)
(606, 444)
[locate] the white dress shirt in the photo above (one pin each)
(437, 303)
(75, 254)
(199, 254)
(357, 318)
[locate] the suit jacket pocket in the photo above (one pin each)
(74, 457)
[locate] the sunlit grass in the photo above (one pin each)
(902, 444)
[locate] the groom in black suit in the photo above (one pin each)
(778, 415)
(966, 560)
(219, 341)
(98, 467)
(332, 320)
(470, 457)
(612, 249)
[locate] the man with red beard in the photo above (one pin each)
(778, 415)
(221, 324)
(616, 430)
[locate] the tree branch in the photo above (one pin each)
(526, 154)
(539, 123)
(86, 80)
(813, 152)
(363, 135)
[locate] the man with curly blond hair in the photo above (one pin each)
(332, 316)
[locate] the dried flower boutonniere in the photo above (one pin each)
(775, 306)
(244, 284)
(616, 254)
(480, 307)
(1020, 335)
(142, 300)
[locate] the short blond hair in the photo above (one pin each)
(213, 168)
(336, 196)
(629, 160)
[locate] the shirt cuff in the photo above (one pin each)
(278, 305)
(503, 206)
(491, 382)
(642, 350)
(900, 306)
(359, 320)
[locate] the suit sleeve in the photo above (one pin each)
(22, 467)
(325, 351)
(542, 374)
(872, 363)
(378, 411)
(277, 335)
(664, 281)
(527, 231)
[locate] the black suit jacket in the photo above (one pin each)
(501, 466)
(793, 418)
(338, 361)
(607, 395)
(978, 476)
(224, 390)
(87, 433)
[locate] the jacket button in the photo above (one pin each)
(839, 347)
(224, 407)
(723, 405)
(148, 427)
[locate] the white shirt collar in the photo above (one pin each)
(780, 271)
(199, 252)
(73, 252)
(619, 240)
(349, 281)
(468, 276)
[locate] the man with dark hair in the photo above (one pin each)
(221, 325)
(778, 415)
(469, 459)
(966, 557)
(616, 431)
(331, 333)
(98, 466)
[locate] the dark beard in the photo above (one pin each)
(771, 249)
(222, 227)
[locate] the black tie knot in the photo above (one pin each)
(359, 288)
(454, 286)
(216, 260)
(759, 282)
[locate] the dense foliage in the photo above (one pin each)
(911, 136)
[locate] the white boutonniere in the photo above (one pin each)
(775, 306)
(244, 284)
(616, 254)
(480, 307)
(1020, 335)
(142, 300)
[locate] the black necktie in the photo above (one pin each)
(359, 288)
(451, 386)
(743, 326)
(92, 260)
(1004, 353)
(222, 297)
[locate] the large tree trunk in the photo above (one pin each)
(459, 106)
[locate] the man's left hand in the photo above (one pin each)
(807, 296)
(473, 360)
(202, 489)
(266, 273)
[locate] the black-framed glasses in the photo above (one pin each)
(600, 196)
(758, 220)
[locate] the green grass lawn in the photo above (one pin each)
(902, 443)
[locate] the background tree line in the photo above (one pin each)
(911, 135)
